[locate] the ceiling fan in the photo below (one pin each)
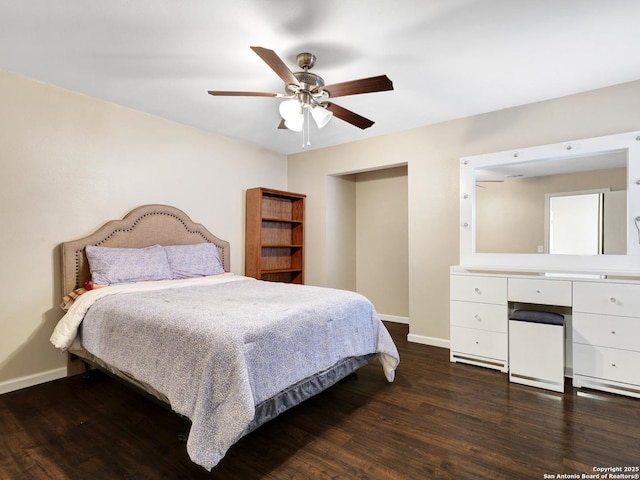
(307, 95)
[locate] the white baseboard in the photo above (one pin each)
(433, 341)
(31, 380)
(412, 337)
(393, 318)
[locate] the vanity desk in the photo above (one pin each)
(572, 209)
(602, 322)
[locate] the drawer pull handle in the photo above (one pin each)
(613, 364)
(537, 291)
(613, 332)
(478, 343)
(477, 290)
(613, 299)
(477, 317)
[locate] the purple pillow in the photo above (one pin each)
(199, 260)
(118, 265)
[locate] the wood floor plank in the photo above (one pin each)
(438, 420)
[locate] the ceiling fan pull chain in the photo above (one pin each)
(308, 123)
(305, 127)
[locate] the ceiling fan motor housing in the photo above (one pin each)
(309, 82)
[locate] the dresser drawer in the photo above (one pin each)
(607, 298)
(482, 343)
(483, 316)
(479, 289)
(606, 331)
(542, 292)
(606, 363)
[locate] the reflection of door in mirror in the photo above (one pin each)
(615, 223)
(574, 223)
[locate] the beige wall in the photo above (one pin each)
(341, 232)
(382, 248)
(69, 163)
(432, 154)
(366, 234)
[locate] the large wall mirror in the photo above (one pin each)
(572, 206)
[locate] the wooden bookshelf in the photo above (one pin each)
(274, 235)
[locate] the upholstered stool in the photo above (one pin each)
(536, 349)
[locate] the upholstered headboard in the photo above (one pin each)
(142, 227)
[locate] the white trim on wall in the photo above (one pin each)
(412, 337)
(31, 380)
(433, 341)
(393, 318)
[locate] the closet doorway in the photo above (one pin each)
(367, 237)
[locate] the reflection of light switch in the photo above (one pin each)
(540, 249)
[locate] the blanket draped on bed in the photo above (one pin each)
(217, 351)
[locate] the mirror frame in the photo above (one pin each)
(557, 152)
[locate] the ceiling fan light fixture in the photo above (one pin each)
(295, 123)
(321, 115)
(290, 109)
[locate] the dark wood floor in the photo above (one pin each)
(437, 421)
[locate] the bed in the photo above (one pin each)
(225, 351)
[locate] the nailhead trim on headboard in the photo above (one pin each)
(135, 224)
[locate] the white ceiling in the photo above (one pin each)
(447, 58)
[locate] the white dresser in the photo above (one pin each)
(603, 337)
(606, 336)
(479, 321)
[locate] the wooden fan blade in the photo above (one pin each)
(272, 59)
(226, 93)
(349, 116)
(363, 85)
(282, 126)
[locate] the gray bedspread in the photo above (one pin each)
(216, 351)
